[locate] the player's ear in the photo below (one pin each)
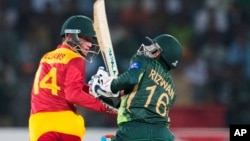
(69, 37)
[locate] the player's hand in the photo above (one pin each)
(91, 87)
(111, 109)
(100, 85)
(113, 103)
(102, 72)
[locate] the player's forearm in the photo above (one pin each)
(90, 102)
(126, 81)
(77, 96)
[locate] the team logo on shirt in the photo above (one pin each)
(135, 65)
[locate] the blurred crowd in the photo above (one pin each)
(215, 35)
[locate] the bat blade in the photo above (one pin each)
(103, 37)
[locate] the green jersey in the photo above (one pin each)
(149, 92)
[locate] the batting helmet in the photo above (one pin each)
(79, 24)
(171, 53)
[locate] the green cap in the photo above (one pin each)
(172, 49)
(79, 24)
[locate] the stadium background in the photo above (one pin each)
(212, 80)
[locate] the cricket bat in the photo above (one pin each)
(103, 37)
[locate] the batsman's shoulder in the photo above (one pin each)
(138, 57)
(138, 62)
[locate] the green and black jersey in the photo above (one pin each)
(149, 92)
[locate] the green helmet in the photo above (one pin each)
(79, 24)
(171, 49)
(166, 46)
